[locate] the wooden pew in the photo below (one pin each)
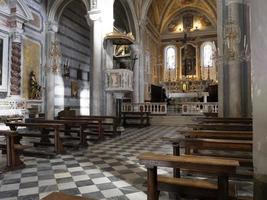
(222, 168)
(12, 149)
(140, 119)
(240, 119)
(43, 127)
(109, 123)
(197, 144)
(214, 134)
(222, 127)
(82, 125)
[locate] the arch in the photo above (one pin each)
(58, 7)
(131, 16)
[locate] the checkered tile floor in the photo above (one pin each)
(106, 170)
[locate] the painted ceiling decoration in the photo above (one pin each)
(166, 15)
(189, 20)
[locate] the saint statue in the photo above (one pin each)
(34, 87)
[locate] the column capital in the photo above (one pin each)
(52, 26)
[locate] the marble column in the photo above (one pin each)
(52, 29)
(96, 86)
(259, 79)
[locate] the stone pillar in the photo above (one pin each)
(52, 29)
(107, 52)
(233, 72)
(135, 48)
(142, 63)
(234, 69)
(259, 78)
(109, 100)
(96, 86)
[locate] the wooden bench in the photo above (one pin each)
(140, 119)
(197, 144)
(83, 125)
(12, 150)
(62, 196)
(222, 127)
(222, 168)
(109, 123)
(44, 128)
(214, 134)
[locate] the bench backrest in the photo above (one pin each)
(196, 163)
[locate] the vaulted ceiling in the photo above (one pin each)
(162, 12)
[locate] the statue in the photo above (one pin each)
(34, 87)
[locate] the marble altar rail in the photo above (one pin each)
(154, 108)
(199, 108)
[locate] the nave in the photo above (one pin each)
(105, 170)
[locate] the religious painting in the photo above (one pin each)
(188, 20)
(31, 62)
(189, 60)
(74, 89)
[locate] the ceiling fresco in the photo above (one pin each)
(166, 15)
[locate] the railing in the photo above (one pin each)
(154, 108)
(12, 107)
(199, 108)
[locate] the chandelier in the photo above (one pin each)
(55, 57)
(233, 50)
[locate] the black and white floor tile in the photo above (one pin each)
(105, 170)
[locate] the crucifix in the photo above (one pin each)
(133, 61)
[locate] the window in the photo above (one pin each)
(207, 51)
(3, 62)
(170, 57)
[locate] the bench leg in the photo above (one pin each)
(152, 184)
(176, 152)
(223, 187)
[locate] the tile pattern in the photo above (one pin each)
(105, 170)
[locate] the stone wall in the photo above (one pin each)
(74, 37)
(259, 71)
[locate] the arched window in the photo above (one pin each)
(170, 57)
(207, 51)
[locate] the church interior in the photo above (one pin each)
(133, 99)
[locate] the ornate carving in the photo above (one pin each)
(15, 69)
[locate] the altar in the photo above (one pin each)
(175, 95)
